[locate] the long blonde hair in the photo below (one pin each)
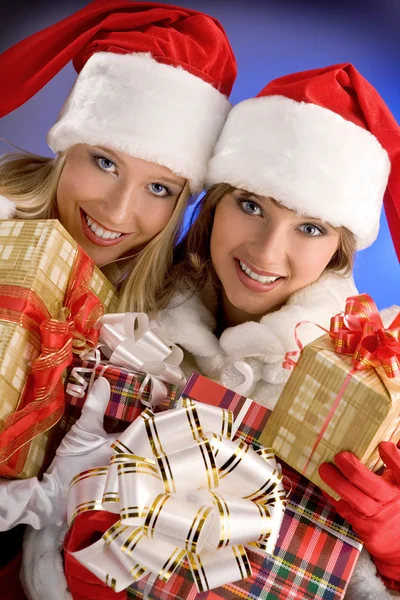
(31, 182)
(193, 267)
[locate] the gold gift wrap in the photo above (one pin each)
(367, 414)
(37, 255)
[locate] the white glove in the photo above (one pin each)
(86, 445)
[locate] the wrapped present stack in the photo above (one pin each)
(312, 556)
(50, 300)
(343, 394)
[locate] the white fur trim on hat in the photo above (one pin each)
(7, 208)
(306, 157)
(149, 110)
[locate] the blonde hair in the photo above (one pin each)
(31, 182)
(193, 267)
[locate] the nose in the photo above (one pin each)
(269, 246)
(120, 206)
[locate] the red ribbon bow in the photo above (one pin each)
(75, 329)
(360, 332)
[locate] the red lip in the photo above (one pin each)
(255, 270)
(252, 284)
(95, 239)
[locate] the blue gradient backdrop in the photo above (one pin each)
(270, 38)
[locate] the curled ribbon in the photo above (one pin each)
(183, 490)
(74, 329)
(132, 341)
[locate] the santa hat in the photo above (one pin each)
(153, 81)
(321, 143)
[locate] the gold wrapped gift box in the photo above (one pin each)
(37, 255)
(368, 412)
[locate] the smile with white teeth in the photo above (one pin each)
(260, 278)
(101, 232)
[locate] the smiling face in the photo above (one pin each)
(263, 253)
(112, 203)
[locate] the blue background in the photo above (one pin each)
(270, 38)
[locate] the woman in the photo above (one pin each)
(133, 138)
(254, 264)
(128, 149)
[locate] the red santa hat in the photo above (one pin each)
(320, 142)
(153, 81)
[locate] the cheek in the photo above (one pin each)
(155, 217)
(219, 241)
(313, 261)
(70, 188)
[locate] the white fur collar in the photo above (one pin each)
(190, 324)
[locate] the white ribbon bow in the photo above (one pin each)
(131, 341)
(181, 493)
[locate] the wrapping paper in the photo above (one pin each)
(127, 401)
(35, 256)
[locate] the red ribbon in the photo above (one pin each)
(75, 329)
(359, 333)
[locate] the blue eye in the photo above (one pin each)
(312, 230)
(159, 190)
(250, 207)
(105, 164)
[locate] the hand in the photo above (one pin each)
(371, 503)
(86, 445)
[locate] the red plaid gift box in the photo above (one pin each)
(316, 550)
(126, 400)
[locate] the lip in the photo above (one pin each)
(92, 237)
(255, 270)
(252, 284)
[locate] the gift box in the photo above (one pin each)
(338, 398)
(39, 264)
(316, 551)
(130, 394)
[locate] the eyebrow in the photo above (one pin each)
(111, 153)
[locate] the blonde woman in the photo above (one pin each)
(132, 143)
(133, 138)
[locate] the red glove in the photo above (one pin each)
(371, 503)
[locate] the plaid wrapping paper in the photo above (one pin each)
(316, 550)
(126, 400)
(367, 413)
(37, 255)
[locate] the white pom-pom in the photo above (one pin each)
(7, 208)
